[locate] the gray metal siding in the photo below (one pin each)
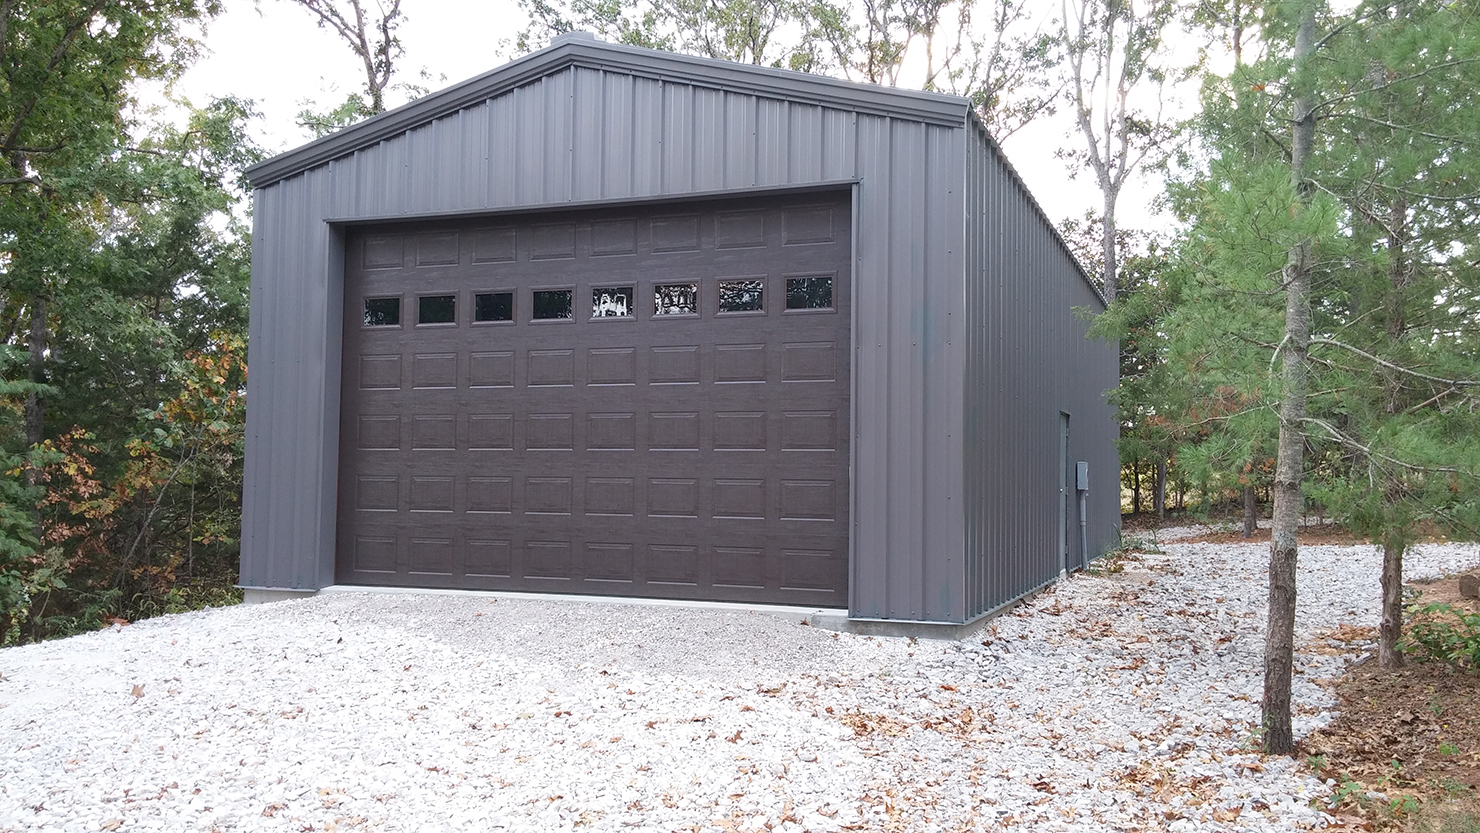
(614, 60)
(541, 144)
(908, 520)
(1027, 360)
(292, 420)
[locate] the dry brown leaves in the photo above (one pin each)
(1414, 732)
(864, 724)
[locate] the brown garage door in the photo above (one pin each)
(644, 402)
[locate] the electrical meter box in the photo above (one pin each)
(1081, 476)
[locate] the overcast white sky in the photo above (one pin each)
(273, 53)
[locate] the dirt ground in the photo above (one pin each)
(1324, 534)
(1405, 749)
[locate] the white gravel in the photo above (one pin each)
(1123, 701)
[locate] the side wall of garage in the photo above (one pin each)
(585, 137)
(1029, 364)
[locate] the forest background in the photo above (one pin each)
(1295, 293)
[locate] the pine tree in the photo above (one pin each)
(1328, 280)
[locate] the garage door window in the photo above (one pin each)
(493, 306)
(611, 302)
(814, 292)
(382, 312)
(552, 304)
(676, 299)
(742, 296)
(436, 309)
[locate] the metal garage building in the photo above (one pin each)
(620, 322)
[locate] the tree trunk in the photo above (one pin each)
(1107, 244)
(1394, 542)
(1392, 604)
(36, 341)
(35, 407)
(1159, 491)
(1279, 646)
(1251, 511)
(1135, 487)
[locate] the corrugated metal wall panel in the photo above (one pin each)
(1028, 360)
(839, 144)
(530, 144)
(503, 151)
(645, 155)
(943, 370)
(772, 141)
(804, 153)
(903, 287)
(709, 140)
(588, 136)
(678, 138)
(259, 477)
(740, 138)
(617, 155)
(293, 343)
(421, 195)
(473, 154)
(908, 523)
(871, 402)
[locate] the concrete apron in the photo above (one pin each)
(831, 619)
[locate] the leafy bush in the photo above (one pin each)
(1439, 632)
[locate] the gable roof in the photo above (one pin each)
(580, 49)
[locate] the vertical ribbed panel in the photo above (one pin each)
(292, 424)
(908, 508)
(1027, 360)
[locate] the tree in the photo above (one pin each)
(777, 33)
(1111, 49)
(370, 36)
(163, 284)
(66, 65)
(122, 255)
(1399, 118)
(1334, 235)
(1003, 63)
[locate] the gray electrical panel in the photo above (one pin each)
(1081, 476)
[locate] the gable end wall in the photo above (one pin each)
(587, 137)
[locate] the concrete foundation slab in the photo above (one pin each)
(263, 595)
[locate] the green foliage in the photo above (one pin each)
(123, 305)
(1393, 427)
(1347, 792)
(322, 123)
(1442, 633)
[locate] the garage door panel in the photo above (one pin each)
(622, 450)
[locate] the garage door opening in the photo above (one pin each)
(641, 402)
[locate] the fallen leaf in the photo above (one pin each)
(138, 691)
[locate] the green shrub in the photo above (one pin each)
(1439, 632)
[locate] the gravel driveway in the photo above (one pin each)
(1114, 702)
